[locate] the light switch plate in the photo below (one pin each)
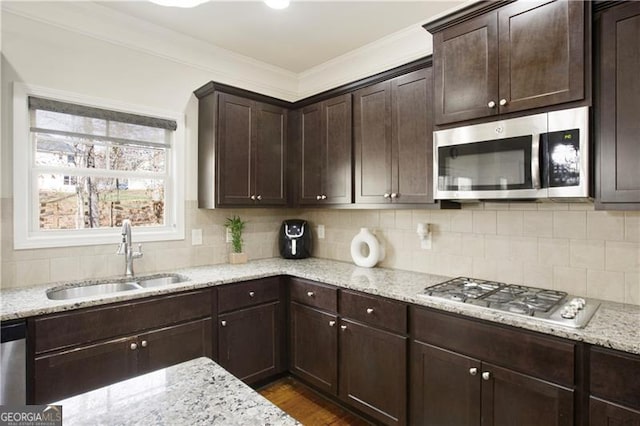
(196, 237)
(228, 236)
(320, 230)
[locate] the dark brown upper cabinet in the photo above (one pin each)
(617, 102)
(241, 152)
(522, 56)
(393, 140)
(325, 152)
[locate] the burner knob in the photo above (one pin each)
(569, 312)
(578, 302)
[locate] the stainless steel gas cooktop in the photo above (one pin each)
(552, 306)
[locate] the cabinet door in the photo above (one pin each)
(412, 158)
(173, 345)
(541, 54)
(617, 106)
(336, 161)
(607, 413)
(444, 387)
(312, 155)
(250, 342)
(71, 372)
(510, 398)
(465, 69)
(269, 154)
(314, 347)
(373, 376)
(234, 173)
(372, 130)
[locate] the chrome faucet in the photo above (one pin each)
(126, 249)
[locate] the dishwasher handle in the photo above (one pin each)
(12, 330)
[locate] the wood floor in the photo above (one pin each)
(306, 406)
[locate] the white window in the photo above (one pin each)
(83, 165)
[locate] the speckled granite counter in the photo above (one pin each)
(614, 325)
(196, 392)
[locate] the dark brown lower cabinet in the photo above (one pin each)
(448, 388)
(373, 372)
(610, 414)
(80, 369)
(250, 342)
(314, 347)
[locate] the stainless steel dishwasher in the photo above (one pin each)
(13, 372)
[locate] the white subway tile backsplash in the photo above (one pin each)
(569, 224)
(586, 254)
(65, 269)
(484, 222)
(462, 221)
(632, 287)
(571, 280)
(537, 223)
(553, 251)
(606, 285)
(632, 226)
(604, 225)
(510, 222)
(622, 256)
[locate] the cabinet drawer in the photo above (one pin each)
(374, 310)
(105, 322)
(615, 376)
(545, 357)
(249, 293)
(314, 294)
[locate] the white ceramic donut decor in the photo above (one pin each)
(376, 251)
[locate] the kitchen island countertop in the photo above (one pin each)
(614, 325)
(196, 392)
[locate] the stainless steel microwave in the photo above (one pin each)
(541, 156)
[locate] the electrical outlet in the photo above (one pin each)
(196, 237)
(228, 238)
(320, 230)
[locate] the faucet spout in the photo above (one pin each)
(125, 248)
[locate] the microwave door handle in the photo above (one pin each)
(535, 162)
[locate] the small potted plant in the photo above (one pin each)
(235, 226)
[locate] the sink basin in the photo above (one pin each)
(91, 290)
(160, 281)
(113, 287)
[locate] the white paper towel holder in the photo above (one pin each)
(376, 250)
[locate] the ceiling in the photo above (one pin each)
(306, 34)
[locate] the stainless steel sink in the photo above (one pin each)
(160, 281)
(88, 290)
(91, 290)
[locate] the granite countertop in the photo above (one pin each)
(614, 325)
(196, 392)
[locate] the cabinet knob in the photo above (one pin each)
(223, 323)
(324, 197)
(491, 104)
(134, 346)
(386, 195)
(318, 197)
(343, 327)
(144, 343)
(310, 293)
(394, 195)
(252, 293)
(253, 197)
(486, 375)
(369, 310)
(259, 197)
(503, 102)
(473, 371)
(332, 323)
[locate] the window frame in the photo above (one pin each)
(26, 235)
